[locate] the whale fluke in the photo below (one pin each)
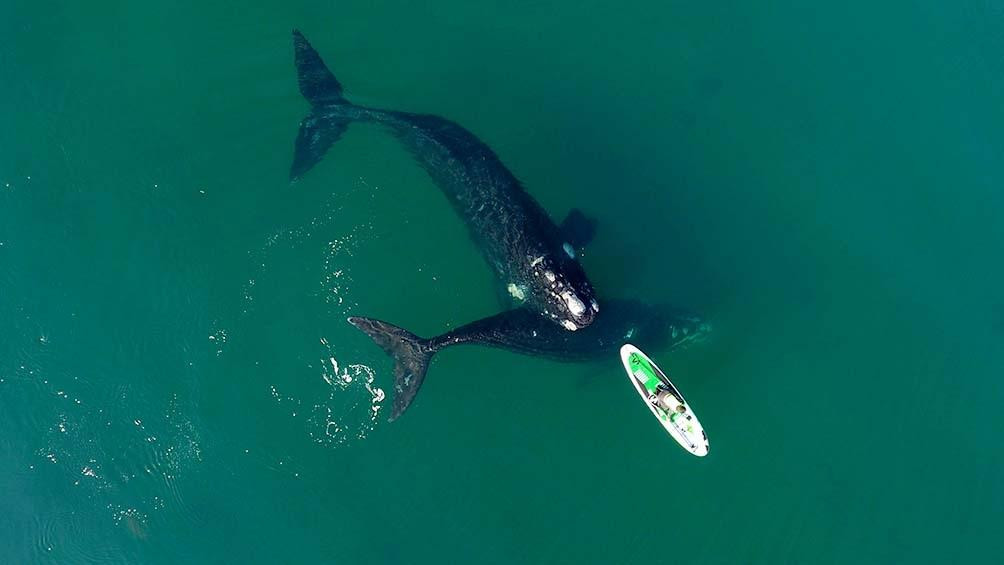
(317, 134)
(317, 84)
(411, 356)
(322, 127)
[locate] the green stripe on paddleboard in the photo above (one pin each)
(644, 372)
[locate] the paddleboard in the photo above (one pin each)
(664, 400)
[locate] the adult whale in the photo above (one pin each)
(523, 332)
(532, 257)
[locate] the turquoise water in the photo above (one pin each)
(823, 184)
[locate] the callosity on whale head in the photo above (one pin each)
(561, 291)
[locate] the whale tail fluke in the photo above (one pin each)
(411, 356)
(317, 84)
(322, 127)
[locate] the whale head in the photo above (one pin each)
(559, 288)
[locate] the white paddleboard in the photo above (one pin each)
(664, 401)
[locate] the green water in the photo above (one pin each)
(823, 183)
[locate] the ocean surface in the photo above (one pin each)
(823, 183)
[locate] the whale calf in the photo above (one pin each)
(533, 259)
(522, 331)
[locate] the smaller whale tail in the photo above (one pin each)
(323, 126)
(411, 356)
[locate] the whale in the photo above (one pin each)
(521, 331)
(534, 260)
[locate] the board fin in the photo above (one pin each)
(577, 229)
(411, 356)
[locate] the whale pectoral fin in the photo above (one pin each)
(317, 134)
(577, 229)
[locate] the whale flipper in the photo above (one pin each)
(577, 229)
(323, 126)
(411, 356)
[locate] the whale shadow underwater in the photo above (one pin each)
(554, 306)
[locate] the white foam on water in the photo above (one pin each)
(218, 339)
(342, 240)
(347, 405)
(119, 450)
(352, 407)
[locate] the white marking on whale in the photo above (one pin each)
(517, 292)
(575, 306)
